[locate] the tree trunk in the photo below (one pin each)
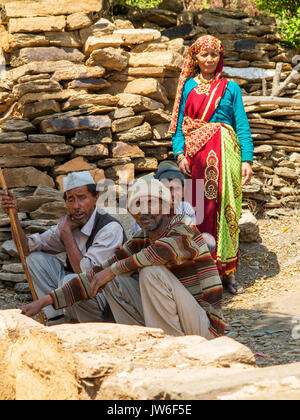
(279, 87)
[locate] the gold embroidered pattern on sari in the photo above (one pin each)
(211, 176)
(232, 223)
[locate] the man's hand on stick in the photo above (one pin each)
(8, 201)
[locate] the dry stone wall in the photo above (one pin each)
(80, 91)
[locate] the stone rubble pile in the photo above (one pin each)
(84, 92)
(121, 362)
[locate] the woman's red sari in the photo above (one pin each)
(203, 148)
(213, 152)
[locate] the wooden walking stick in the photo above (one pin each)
(20, 250)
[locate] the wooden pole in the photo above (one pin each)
(20, 250)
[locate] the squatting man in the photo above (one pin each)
(87, 237)
(177, 287)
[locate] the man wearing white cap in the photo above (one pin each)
(87, 237)
(177, 287)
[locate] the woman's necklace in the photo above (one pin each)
(206, 82)
(203, 85)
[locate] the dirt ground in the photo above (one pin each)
(266, 318)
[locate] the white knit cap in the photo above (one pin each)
(77, 179)
(148, 187)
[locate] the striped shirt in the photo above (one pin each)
(181, 249)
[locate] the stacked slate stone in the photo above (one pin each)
(276, 136)
(81, 91)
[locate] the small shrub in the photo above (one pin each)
(288, 13)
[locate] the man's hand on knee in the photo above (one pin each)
(100, 280)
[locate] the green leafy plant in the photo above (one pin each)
(143, 4)
(288, 13)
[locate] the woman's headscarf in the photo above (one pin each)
(190, 63)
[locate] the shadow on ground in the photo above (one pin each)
(273, 336)
(256, 263)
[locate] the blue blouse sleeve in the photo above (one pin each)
(178, 138)
(241, 123)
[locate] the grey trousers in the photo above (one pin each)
(47, 274)
(157, 300)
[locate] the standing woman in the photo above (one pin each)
(212, 141)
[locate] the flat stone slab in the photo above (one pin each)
(106, 163)
(54, 210)
(89, 83)
(62, 70)
(63, 39)
(37, 109)
(166, 59)
(37, 24)
(147, 87)
(28, 55)
(46, 138)
(138, 36)
(15, 124)
(126, 123)
(286, 173)
(73, 165)
(94, 151)
(101, 27)
(35, 149)
(138, 102)
(9, 248)
(45, 8)
(17, 161)
(94, 43)
(45, 96)
(76, 101)
(87, 137)
(133, 363)
(32, 203)
(145, 164)
(142, 132)
(52, 193)
(71, 124)
(78, 20)
(13, 137)
(250, 73)
(15, 278)
(79, 71)
(120, 149)
(23, 177)
(13, 268)
(110, 58)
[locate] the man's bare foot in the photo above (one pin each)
(232, 285)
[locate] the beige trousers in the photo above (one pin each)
(157, 300)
